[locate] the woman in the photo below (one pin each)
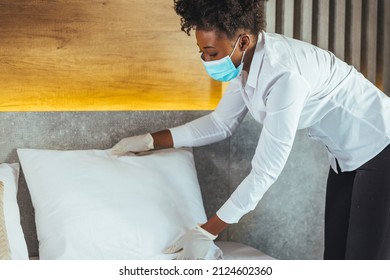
(287, 85)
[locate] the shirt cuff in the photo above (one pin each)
(180, 136)
(230, 213)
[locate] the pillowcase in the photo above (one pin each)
(12, 243)
(89, 205)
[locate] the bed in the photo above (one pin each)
(60, 186)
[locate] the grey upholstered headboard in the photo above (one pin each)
(288, 222)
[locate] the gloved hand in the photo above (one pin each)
(134, 144)
(196, 244)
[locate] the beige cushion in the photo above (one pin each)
(5, 253)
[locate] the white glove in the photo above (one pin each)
(134, 144)
(196, 244)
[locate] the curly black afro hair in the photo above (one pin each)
(223, 16)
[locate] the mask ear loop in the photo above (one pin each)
(235, 46)
(243, 55)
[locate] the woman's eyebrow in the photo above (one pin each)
(206, 47)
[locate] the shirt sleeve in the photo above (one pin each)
(284, 103)
(215, 126)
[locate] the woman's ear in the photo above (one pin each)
(244, 42)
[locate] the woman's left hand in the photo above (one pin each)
(196, 244)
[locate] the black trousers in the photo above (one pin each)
(357, 211)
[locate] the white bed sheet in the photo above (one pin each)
(238, 251)
(234, 251)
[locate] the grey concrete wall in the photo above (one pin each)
(288, 222)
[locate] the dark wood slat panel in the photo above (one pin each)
(279, 21)
(353, 29)
(298, 19)
(337, 28)
(369, 39)
(357, 31)
(386, 48)
(380, 43)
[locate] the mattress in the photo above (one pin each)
(238, 251)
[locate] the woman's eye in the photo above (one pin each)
(206, 55)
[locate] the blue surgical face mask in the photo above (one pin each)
(223, 69)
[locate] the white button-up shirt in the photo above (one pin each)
(294, 85)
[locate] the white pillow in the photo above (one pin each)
(12, 243)
(89, 205)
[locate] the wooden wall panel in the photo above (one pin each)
(131, 55)
(99, 55)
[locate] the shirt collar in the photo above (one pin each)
(256, 62)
